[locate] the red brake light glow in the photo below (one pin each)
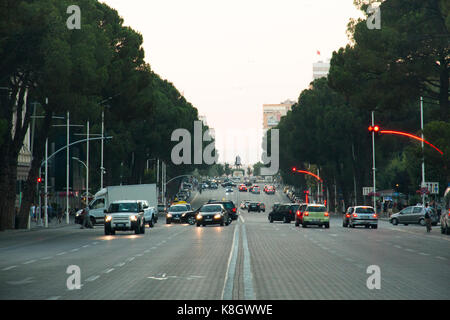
(347, 215)
(306, 213)
(298, 213)
(355, 215)
(326, 214)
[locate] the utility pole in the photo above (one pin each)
(87, 165)
(423, 156)
(374, 169)
(46, 185)
(67, 169)
(101, 157)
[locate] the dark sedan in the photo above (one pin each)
(213, 214)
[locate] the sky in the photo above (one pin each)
(229, 57)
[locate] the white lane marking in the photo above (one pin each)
(139, 255)
(93, 278)
(29, 261)
(109, 270)
(54, 298)
(95, 242)
(242, 219)
(249, 292)
(131, 259)
(46, 258)
(227, 291)
(442, 258)
(20, 282)
(424, 254)
(120, 264)
(8, 268)
(147, 251)
(74, 250)
(397, 246)
(86, 246)
(61, 253)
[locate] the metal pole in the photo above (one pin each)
(87, 165)
(67, 169)
(374, 169)
(101, 157)
(46, 184)
(423, 157)
(39, 219)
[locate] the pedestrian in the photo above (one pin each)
(384, 207)
(33, 212)
(428, 217)
(86, 220)
(390, 207)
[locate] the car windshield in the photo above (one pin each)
(316, 209)
(123, 207)
(211, 208)
(364, 210)
(178, 209)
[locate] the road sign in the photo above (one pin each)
(433, 187)
(367, 190)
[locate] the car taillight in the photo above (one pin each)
(298, 213)
(326, 214)
(234, 209)
(375, 216)
(290, 211)
(306, 213)
(347, 215)
(355, 215)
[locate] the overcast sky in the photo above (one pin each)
(229, 57)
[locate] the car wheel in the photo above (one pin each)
(271, 219)
(442, 230)
(394, 221)
(405, 224)
(375, 227)
(327, 226)
(108, 232)
(143, 228)
(297, 223)
(112, 232)
(137, 230)
(168, 222)
(150, 223)
(198, 224)
(191, 220)
(421, 222)
(222, 224)
(93, 221)
(367, 226)
(204, 225)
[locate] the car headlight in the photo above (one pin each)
(108, 218)
(169, 215)
(199, 216)
(183, 214)
(133, 218)
(217, 216)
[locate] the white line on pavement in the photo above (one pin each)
(120, 264)
(442, 258)
(74, 250)
(9, 268)
(93, 278)
(61, 253)
(30, 261)
(424, 254)
(46, 258)
(109, 270)
(53, 298)
(227, 292)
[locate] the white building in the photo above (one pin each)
(321, 69)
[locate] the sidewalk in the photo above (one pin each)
(52, 224)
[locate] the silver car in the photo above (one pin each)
(413, 215)
(361, 216)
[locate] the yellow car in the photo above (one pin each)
(315, 214)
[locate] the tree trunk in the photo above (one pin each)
(30, 185)
(7, 200)
(443, 94)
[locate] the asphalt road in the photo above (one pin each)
(249, 259)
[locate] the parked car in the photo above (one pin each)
(413, 215)
(213, 214)
(360, 216)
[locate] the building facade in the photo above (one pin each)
(321, 69)
(272, 113)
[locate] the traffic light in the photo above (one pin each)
(294, 169)
(376, 129)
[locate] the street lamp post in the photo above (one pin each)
(87, 176)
